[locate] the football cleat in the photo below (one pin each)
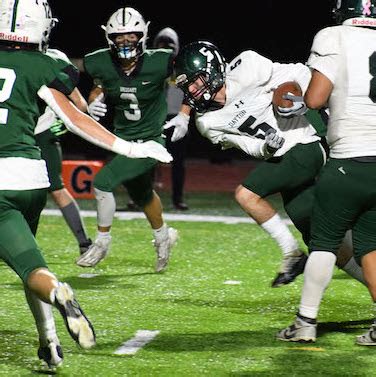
(76, 322)
(51, 353)
(292, 266)
(163, 249)
(95, 253)
(368, 338)
(303, 330)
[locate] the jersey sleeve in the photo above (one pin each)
(297, 72)
(65, 74)
(324, 52)
(250, 69)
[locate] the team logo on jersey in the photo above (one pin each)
(124, 89)
(234, 121)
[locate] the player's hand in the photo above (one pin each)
(58, 128)
(180, 122)
(298, 107)
(150, 149)
(273, 142)
(97, 109)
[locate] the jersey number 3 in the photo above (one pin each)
(7, 79)
(134, 112)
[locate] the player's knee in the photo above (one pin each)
(245, 196)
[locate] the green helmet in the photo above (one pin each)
(200, 60)
(355, 12)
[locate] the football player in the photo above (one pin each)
(29, 75)
(131, 79)
(234, 109)
(48, 132)
(343, 60)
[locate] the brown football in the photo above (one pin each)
(288, 86)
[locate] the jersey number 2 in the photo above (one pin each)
(7, 79)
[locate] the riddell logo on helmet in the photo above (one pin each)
(10, 37)
(363, 22)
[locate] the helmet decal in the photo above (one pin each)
(366, 7)
(355, 12)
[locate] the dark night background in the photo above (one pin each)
(280, 30)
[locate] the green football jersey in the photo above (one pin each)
(22, 74)
(138, 100)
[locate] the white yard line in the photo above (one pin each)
(124, 215)
(131, 346)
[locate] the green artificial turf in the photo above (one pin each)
(206, 327)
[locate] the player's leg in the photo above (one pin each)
(338, 200)
(120, 170)
(19, 250)
(71, 213)
(364, 238)
(141, 191)
(51, 152)
(279, 175)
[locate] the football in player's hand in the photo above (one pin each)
(287, 87)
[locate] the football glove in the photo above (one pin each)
(298, 107)
(58, 128)
(97, 109)
(146, 149)
(180, 122)
(273, 142)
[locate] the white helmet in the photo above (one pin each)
(123, 21)
(26, 21)
(168, 38)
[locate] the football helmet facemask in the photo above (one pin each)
(200, 61)
(355, 12)
(26, 22)
(124, 21)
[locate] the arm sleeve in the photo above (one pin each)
(324, 52)
(252, 146)
(297, 72)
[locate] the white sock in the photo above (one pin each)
(317, 275)
(280, 232)
(106, 207)
(160, 233)
(103, 234)
(43, 316)
(354, 270)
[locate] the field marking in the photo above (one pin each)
(124, 215)
(232, 282)
(314, 349)
(88, 276)
(131, 346)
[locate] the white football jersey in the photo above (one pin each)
(346, 55)
(248, 113)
